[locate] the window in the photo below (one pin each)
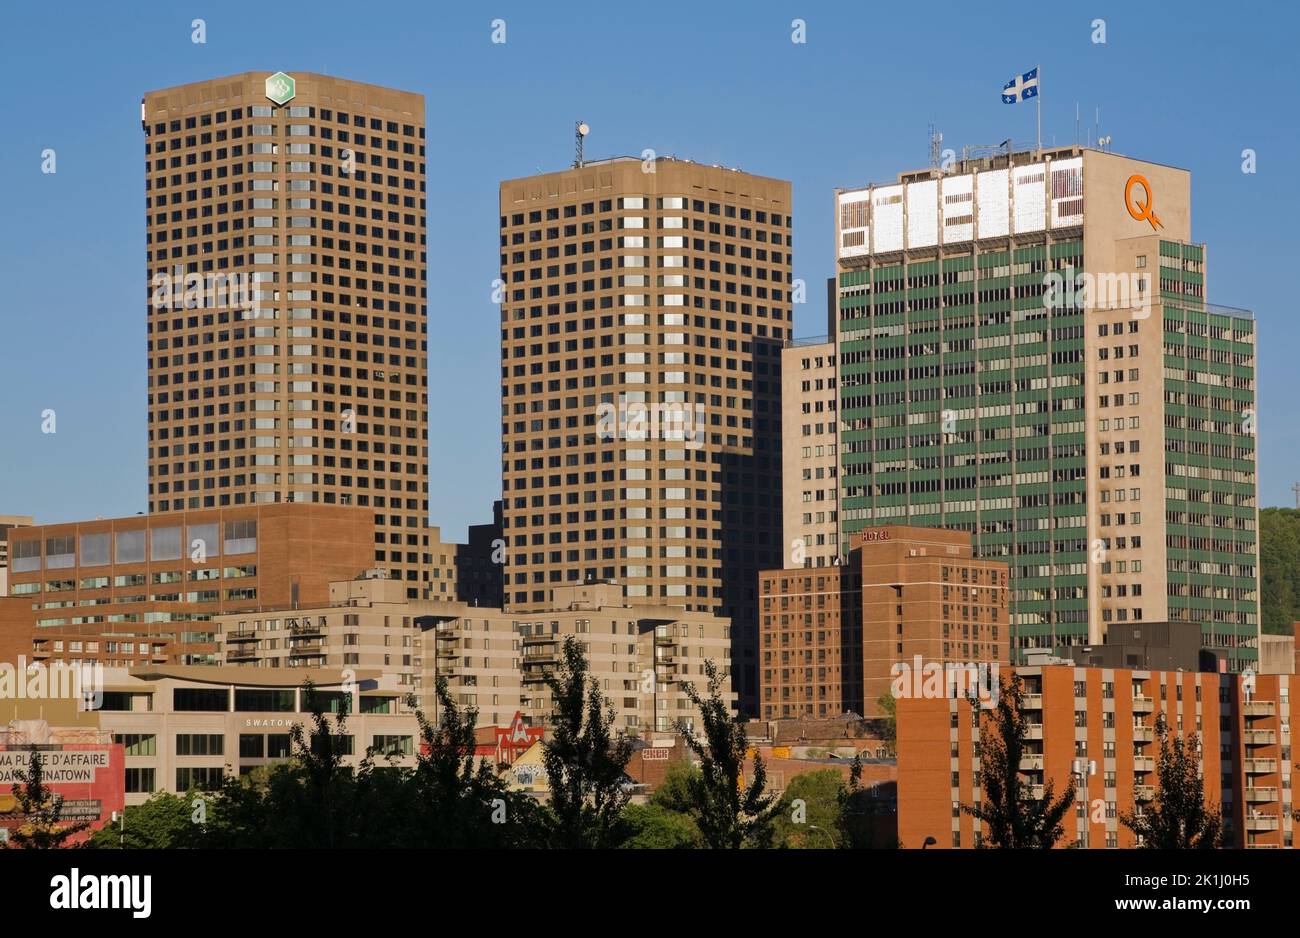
(251, 745)
(130, 546)
(94, 550)
(204, 779)
(165, 544)
(241, 537)
(25, 555)
(140, 780)
(138, 744)
(206, 536)
(278, 746)
(393, 745)
(60, 553)
(263, 701)
(200, 744)
(200, 700)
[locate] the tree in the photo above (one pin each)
(585, 764)
(889, 706)
(1014, 820)
(1178, 818)
(163, 822)
(460, 799)
(729, 814)
(1279, 567)
(654, 827)
(43, 826)
(810, 812)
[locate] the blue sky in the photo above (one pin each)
(718, 83)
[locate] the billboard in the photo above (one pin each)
(90, 777)
(958, 208)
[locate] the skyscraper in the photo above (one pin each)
(287, 319)
(644, 305)
(1026, 353)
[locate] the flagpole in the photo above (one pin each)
(1039, 99)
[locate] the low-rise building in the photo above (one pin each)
(493, 660)
(188, 728)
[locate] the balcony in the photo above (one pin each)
(1031, 763)
(1263, 822)
(1144, 764)
(1144, 792)
(242, 653)
(1260, 794)
(1032, 702)
(1260, 766)
(1259, 737)
(1143, 705)
(1034, 731)
(1143, 734)
(304, 626)
(1031, 792)
(245, 635)
(1259, 708)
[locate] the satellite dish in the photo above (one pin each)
(584, 129)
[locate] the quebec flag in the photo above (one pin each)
(1022, 88)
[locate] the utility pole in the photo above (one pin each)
(1296, 488)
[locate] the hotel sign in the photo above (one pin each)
(281, 88)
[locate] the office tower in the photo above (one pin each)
(903, 602)
(1026, 353)
(644, 306)
(810, 453)
(287, 320)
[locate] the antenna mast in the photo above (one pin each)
(580, 131)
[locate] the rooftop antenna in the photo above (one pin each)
(936, 147)
(580, 130)
(1076, 123)
(1296, 488)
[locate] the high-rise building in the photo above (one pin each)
(644, 307)
(904, 603)
(1026, 353)
(285, 220)
(810, 453)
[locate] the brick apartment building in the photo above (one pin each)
(830, 637)
(1097, 725)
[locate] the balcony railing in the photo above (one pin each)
(1144, 792)
(1032, 702)
(1031, 763)
(1034, 731)
(1260, 766)
(1259, 737)
(1144, 764)
(1259, 708)
(1263, 822)
(1261, 793)
(1143, 705)
(1143, 734)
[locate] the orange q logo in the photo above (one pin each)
(1141, 211)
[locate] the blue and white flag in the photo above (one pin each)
(1021, 88)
